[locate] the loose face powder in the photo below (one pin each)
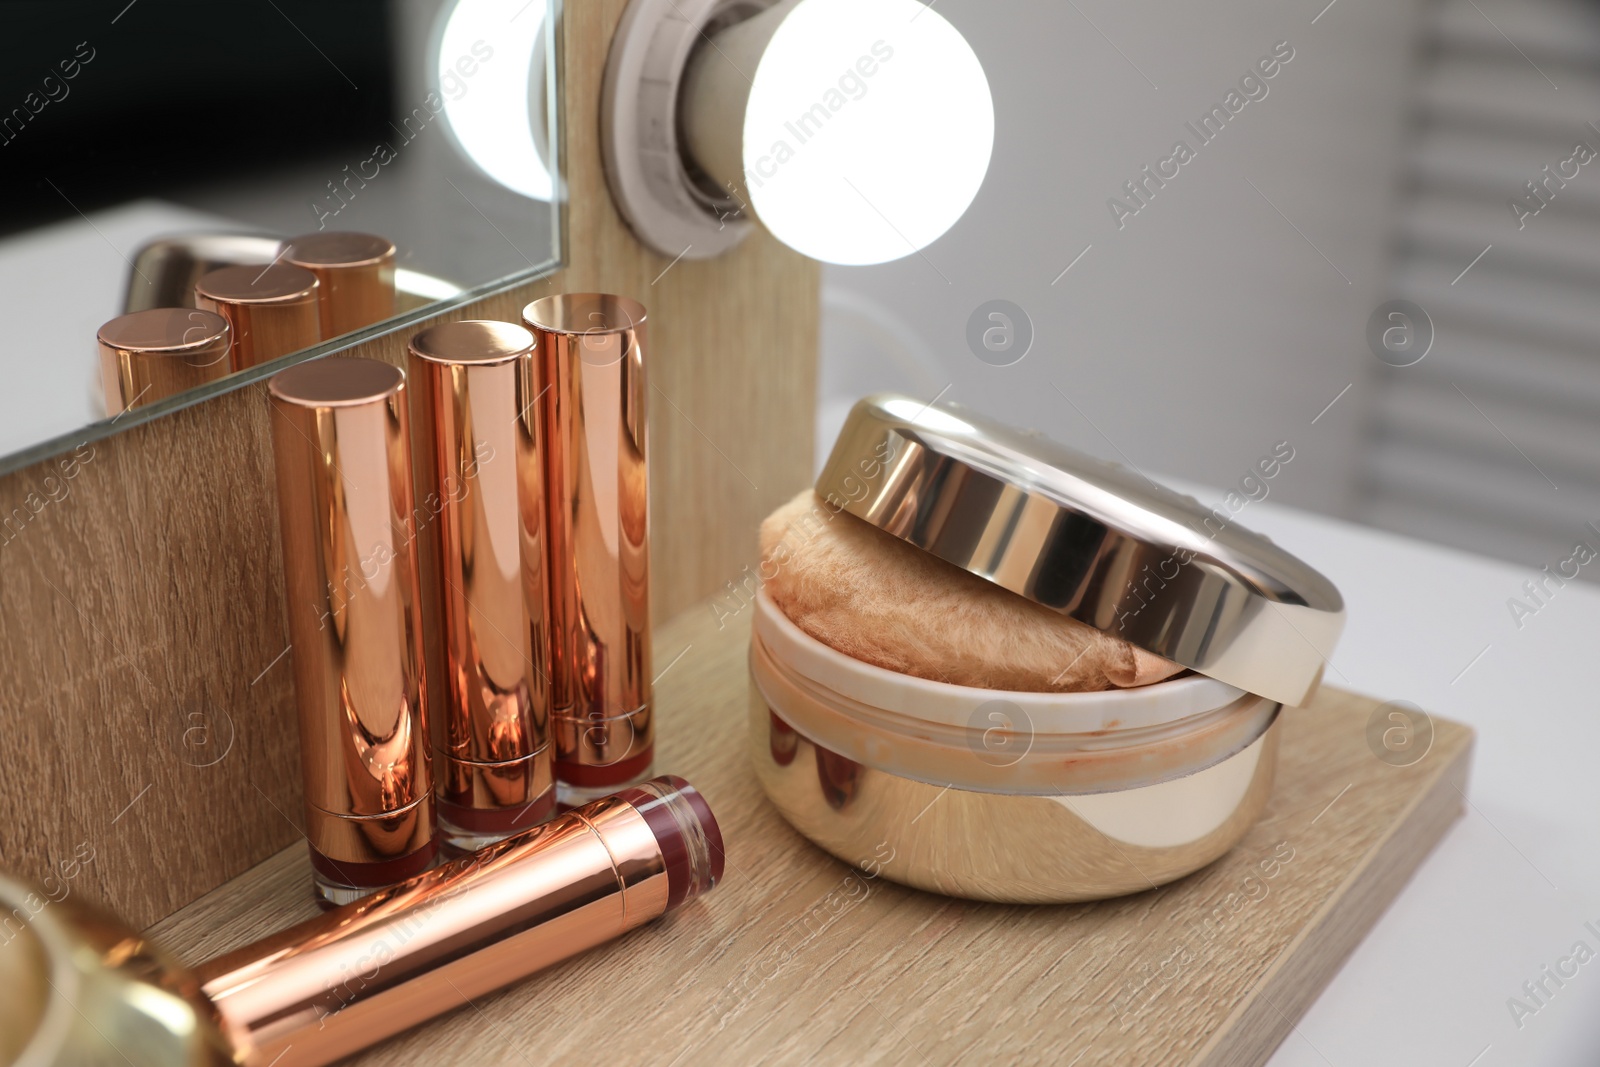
(1003, 670)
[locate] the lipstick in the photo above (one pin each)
(365, 971)
(591, 374)
(340, 442)
(146, 356)
(481, 530)
(355, 277)
(272, 310)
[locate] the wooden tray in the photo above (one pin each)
(797, 958)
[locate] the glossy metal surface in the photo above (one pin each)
(350, 568)
(997, 795)
(1090, 539)
(481, 528)
(366, 971)
(79, 988)
(83, 990)
(591, 366)
(1010, 847)
(355, 276)
(149, 355)
(272, 310)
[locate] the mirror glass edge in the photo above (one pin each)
(133, 417)
(100, 430)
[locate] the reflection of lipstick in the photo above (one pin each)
(590, 359)
(355, 277)
(339, 431)
(476, 450)
(272, 310)
(364, 972)
(147, 356)
(839, 777)
(782, 740)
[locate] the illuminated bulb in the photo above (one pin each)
(857, 131)
(491, 76)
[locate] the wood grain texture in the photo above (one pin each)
(141, 598)
(797, 958)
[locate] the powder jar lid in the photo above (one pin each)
(1090, 539)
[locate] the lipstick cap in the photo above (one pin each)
(272, 310)
(350, 571)
(481, 523)
(148, 355)
(355, 272)
(591, 366)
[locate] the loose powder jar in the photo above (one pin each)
(988, 665)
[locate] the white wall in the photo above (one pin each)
(1206, 329)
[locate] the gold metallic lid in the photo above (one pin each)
(249, 284)
(338, 248)
(477, 341)
(338, 381)
(149, 355)
(271, 310)
(1090, 539)
(82, 989)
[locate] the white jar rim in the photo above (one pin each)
(1156, 704)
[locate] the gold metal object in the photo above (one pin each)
(355, 276)
(1008, 847)
(149, 355)
(994, 795)
(591, 366)
(83, 990)
(356, 975)
(340, 442)
(272, 310)
(1090, 539)
(476, 445)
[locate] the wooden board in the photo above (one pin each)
(144, 601)
(797, 958)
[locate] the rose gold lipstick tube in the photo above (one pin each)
(340, 442)
(146, 356)
(83, 989)
(355, 276)
(364, 972)
(481, 520)
(590, 357)
(272, 310)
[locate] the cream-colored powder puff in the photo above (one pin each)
(877, 599)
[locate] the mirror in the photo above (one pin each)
(288, 176)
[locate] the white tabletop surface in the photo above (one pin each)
(61, 283)
(1512, 885)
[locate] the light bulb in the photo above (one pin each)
(856, 131)
(883, 117)
(490, 72)
(866, 130)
